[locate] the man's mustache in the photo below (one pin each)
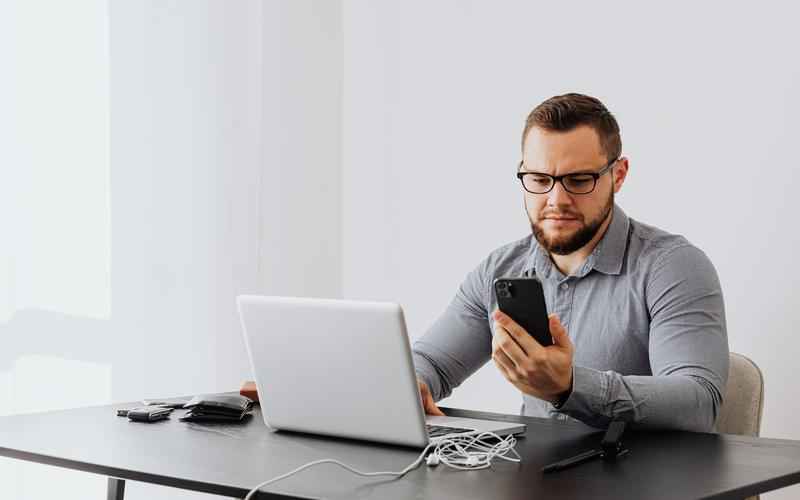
(549, 214)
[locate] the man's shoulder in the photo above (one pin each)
(508, 259)
(653, 247)
(655, 237)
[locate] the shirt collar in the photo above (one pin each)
(610, 252)
(607, 256)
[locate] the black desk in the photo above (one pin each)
(230, 459)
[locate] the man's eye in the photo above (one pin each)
(540, 179)
(578, 180)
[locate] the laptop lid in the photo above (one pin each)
(335, 367)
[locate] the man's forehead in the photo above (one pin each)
(579, 147)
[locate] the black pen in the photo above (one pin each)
(569, 462)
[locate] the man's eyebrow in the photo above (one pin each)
(576, 172)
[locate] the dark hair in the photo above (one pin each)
(563, 113)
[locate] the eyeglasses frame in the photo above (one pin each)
(558, 178)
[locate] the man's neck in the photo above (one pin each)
(570, 263)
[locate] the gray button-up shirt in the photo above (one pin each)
(644, 311)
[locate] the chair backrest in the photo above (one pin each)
(743, 402)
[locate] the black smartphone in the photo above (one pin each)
(523, 300)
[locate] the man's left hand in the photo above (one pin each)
(542, 372)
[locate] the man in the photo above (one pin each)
(637, 316)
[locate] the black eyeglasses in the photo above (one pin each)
(577, 183)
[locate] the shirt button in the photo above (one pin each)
(564, 286)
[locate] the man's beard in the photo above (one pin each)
(578, 239)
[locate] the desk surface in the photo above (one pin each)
(230, 459)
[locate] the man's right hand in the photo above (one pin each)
(427, 400)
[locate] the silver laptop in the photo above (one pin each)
(342, 368)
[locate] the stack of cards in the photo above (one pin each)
(217, 408)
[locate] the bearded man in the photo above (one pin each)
(636, 314)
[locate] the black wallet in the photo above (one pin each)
(217, 408)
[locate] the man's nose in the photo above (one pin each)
(558, 196)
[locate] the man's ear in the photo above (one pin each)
(619, 173)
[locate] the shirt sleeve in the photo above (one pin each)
(688, 348)
(459, 341)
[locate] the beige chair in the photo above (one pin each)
(743, 403)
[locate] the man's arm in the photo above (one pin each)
(688, 355)
(459, 341)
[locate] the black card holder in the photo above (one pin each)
(217, 408)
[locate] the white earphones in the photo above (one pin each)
(467, 452)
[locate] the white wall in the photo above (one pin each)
(301, 185)
(55, 215)
(435, 98)
(163, 157)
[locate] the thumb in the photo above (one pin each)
(558, 332)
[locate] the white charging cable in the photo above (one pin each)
(470, 452)
(462, 452)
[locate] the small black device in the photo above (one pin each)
(612, 441)
(145, 414)
(610, 450)
(523, 300)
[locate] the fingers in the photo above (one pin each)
(507, 345)
(502, 359)
(527, 343)
(558, 332)
(427, 400)
(543, 372)
(505, 365)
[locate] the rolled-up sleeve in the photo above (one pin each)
(688, 351)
